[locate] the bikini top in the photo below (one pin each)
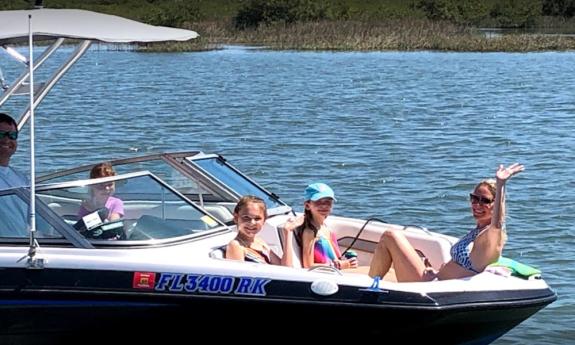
(259, 256)
(460, 251)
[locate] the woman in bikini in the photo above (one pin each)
(470, 255)
(250, 215)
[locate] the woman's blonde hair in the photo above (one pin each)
(490, 183)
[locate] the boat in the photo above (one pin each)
(159, 273)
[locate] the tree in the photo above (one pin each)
(563, 8)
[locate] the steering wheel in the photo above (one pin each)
(97, 232)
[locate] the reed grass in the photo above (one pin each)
(393, 34)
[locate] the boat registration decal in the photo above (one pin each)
(144, 280)
(213, 284)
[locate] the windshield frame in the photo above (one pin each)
(282, 207)
(184, 163)
(219, 227)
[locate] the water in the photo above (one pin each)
(402, 136)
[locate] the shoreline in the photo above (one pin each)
(400, 35)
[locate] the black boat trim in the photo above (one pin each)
(78, 284)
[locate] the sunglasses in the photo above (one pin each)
(10, 134)
(478, 199)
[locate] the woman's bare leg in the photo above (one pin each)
(381, 261)
(393, 247)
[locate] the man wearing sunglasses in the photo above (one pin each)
(9, 177)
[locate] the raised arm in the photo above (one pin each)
(287, 257)
(502, 175)
(488, 245)
(288, 236)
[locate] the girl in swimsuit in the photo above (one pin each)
(250, 215)
(470, 255)
(318, 243)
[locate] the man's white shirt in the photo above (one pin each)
(10, 177)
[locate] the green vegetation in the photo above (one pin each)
(346, 24)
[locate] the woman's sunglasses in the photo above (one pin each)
(478, 199)
(10, 134)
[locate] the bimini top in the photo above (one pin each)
(86, 25)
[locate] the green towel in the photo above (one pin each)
(517, 268)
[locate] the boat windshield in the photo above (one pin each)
(222, 171)
(131, 207)
(206, 179)
(191, 187)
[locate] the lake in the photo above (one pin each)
(402, 136)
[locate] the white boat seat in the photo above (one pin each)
(55, 206)
(222, 213)
(218, 253)
(296, 255)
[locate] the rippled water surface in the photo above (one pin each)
(400, 136)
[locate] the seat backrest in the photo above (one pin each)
(296, 253)
(272, 233)
(218, 253)
(220, 212)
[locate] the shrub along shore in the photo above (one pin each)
(446, 25)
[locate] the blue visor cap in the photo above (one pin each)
(316, 191)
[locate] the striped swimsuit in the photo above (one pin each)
(325, 249)
(252, 255)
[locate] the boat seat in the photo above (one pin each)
(220, 212)
(70, 218)
(57, 207)
(297, 260)
(296, 255)
(218, 253)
